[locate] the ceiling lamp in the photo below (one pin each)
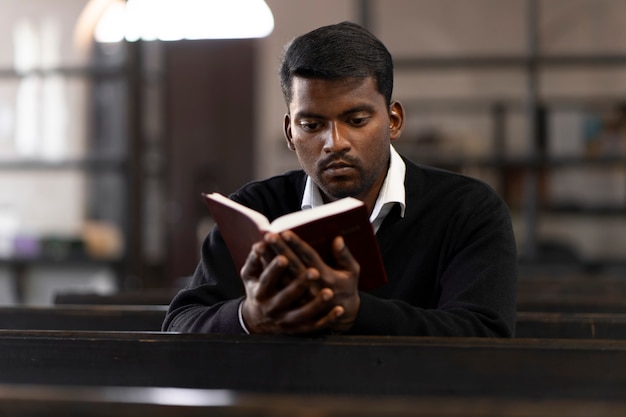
(171, 20)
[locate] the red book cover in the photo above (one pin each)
(241, 227)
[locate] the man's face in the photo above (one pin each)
(341, 131)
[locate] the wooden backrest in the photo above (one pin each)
(150, 318)
(571, 325)
(51, 401)
(83, 317)
(128, 297)
(572, 294)
(387, 366)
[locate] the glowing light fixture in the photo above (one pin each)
(170, 20)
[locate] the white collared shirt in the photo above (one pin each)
(391, 192)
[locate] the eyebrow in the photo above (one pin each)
(360, 108)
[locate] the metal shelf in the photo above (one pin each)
(86, 164)
(480, 62)
(76, 71)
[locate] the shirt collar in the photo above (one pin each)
(391, 192)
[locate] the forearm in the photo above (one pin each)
(397, 318)
(188, 317)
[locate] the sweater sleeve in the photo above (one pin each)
(210, 303)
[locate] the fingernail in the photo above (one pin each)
(312, 274)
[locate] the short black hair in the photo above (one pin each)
(342, 50)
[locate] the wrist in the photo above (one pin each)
(242, 321)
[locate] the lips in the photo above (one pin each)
(338, 168)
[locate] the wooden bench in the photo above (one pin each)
(339, 365)
(29, 401)
(572, 294)
(83, 317)
(150, 318)
(566, 294)
(571, 325)
(161, 296)
(573, 304)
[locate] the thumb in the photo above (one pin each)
(343, 257)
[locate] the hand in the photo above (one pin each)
(281, 293)
(341, 280)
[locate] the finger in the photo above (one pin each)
(317, 325)
(265, 253)
(271, 277)
(330, 319)
(280, 247)
(303, 250)
(310, 311)
(253, 267)
(344, 257)
(295, 292)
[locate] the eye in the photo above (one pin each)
(359, 121)
(309, 126)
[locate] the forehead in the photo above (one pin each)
(313, 94)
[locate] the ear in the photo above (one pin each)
(287, 131)
(396, 120)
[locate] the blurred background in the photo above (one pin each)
(115, 116)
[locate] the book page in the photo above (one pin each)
(254, 215)
(291, 220)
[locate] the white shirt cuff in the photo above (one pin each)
(240, 314)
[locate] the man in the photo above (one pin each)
(446, 239)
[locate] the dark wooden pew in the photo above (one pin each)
(339, 365)
(83, 317)
(548, 307)
(150, 318)
(32, 401)
(571, 325)
(572, 294)
(539, 293)
(159, 296)
(573, 304)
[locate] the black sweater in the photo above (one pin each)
(451, 262)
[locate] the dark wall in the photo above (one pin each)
(210, 133)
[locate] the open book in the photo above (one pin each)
(242, 226)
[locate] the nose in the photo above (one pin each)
(335, 140)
